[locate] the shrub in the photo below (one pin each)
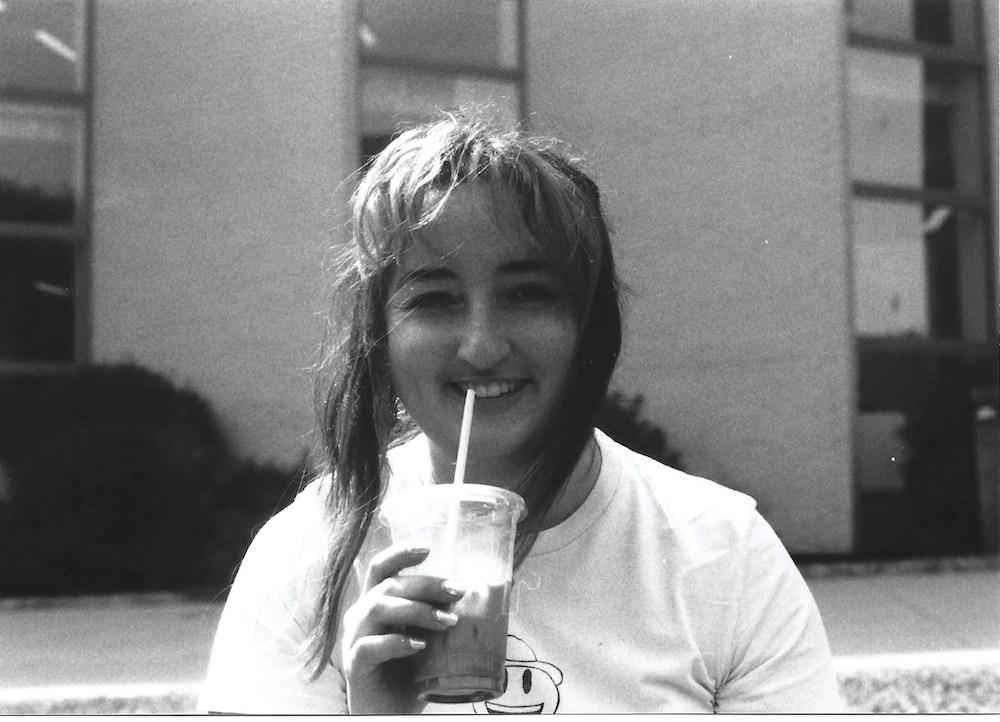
(105, 508)
(250, 495)
(120, 481)
(620, 417)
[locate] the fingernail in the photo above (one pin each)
(417, 550)
(448, 618)
(417, 643)
(455, 589)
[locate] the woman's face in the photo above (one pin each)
(474, 304)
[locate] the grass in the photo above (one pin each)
(927, 691)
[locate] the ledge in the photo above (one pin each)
(818, 569)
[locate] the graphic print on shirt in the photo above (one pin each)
(527, 581)
(532, 685)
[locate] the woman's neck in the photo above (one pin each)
(578, 487)
(503, 472)
(507, 475)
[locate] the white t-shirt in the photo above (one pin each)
(663, 592)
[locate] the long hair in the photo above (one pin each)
(561, 208)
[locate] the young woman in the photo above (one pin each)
(481, 259)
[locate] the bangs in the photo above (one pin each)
(410, 183)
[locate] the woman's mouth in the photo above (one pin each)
(491, 389)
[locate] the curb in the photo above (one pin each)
(808, 569)
(954, 659)
(93, 600)
(942, 565)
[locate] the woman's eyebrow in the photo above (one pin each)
(426, 274)
(528, 265)
(430, 274)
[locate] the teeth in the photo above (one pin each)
(492, 389)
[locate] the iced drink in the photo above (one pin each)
(469, 529)
(466, 663)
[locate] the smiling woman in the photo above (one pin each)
(473, 305)
(481, 261)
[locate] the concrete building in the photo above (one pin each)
(768, 167)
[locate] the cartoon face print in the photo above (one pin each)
(532, 687)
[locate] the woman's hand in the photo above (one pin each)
(382, 630)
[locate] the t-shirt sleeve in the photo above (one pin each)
(259, 662)
(781, 659)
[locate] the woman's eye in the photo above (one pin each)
(533, 293)
(431, 300)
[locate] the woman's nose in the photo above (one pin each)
(484, 342)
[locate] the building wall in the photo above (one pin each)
(221, 133)
(716, 131)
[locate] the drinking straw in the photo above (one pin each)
(463, 439)
(451, 526)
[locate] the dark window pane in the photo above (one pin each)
(42, 44)
(953, 138)
(905, 380)
(36, 300)
(481, 33)
(932, 21)
(40, 156)
(893, 380)
(939, 165)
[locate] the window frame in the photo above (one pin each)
(977, 203)
(928, 51)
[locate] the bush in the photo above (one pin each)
(118, 482)
(250, 495)
(620, 417)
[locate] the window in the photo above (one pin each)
(924, 253)
(435, 54)
(44, 109)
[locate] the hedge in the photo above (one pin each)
(118, 480)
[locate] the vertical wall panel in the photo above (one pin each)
(222, 131)
(715, 129)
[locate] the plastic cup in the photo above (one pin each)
(470, 530)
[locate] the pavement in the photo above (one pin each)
(154, 649)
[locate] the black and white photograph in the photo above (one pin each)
(441, 357)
